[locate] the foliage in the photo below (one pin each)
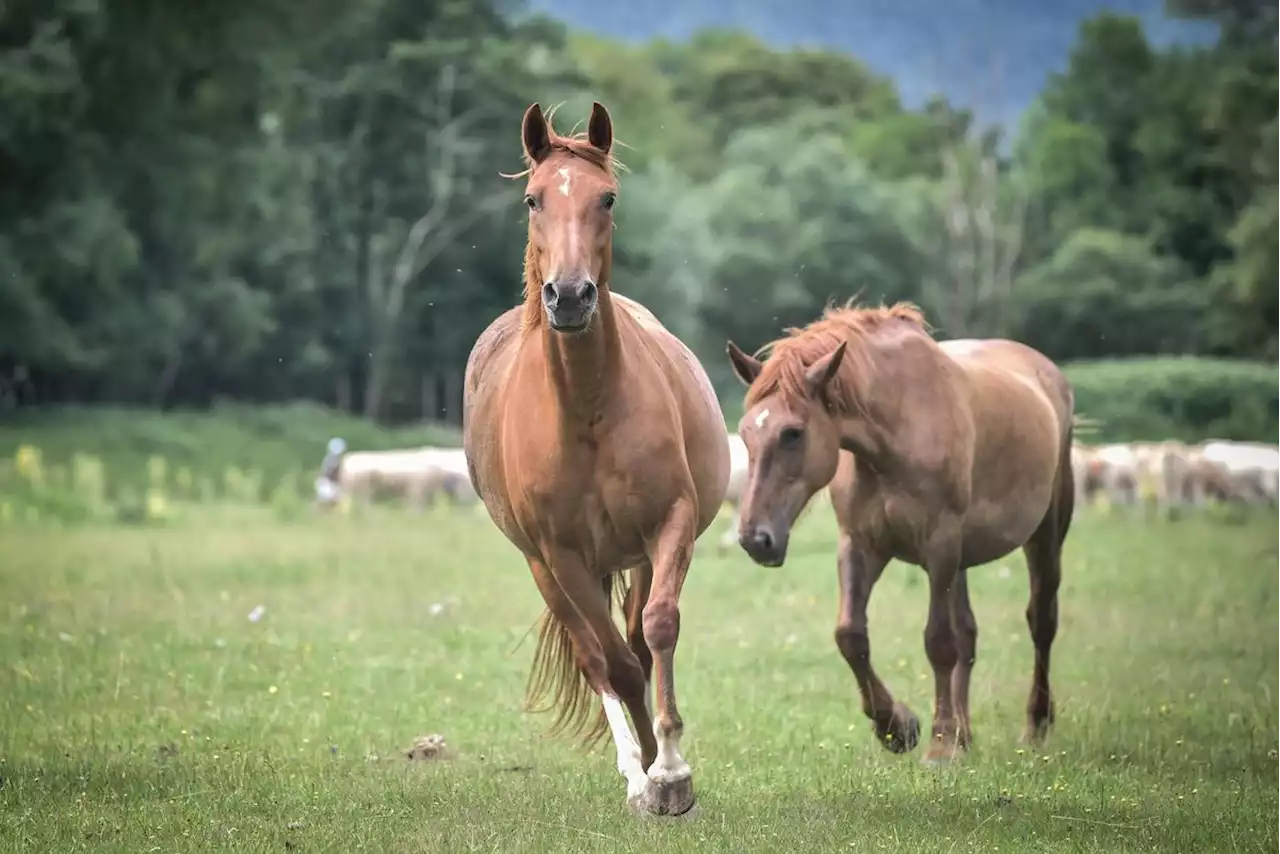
(1107, 293)
(266, 203)
(1177, 398)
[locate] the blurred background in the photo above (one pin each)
(298, 204)
(233, 231)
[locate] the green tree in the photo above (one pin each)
(1104, 293)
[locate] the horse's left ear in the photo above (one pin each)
(535, 135)
(745, 366)
(600, 128)
(821, 371)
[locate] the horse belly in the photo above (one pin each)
(994, 528)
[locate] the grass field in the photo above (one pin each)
(141, 710)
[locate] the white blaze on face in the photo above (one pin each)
(762, 417)
(563, 172)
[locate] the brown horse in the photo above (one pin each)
(945, 455)
(597, 443)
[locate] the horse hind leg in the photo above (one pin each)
(633, 609)
(966, 631)
(1044, 568)
(580, 606)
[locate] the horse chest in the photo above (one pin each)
(585, 497)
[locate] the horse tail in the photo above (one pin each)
(1066, 498)
(556, 683)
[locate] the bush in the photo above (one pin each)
(1191, 399)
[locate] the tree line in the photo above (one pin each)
(271, 201)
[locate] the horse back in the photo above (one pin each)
(998, 368)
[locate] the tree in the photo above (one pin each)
(1103, 293)
(796, 225)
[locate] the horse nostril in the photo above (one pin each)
(589, 292)
(549, 293)
(763, 539)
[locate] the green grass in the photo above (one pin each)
(140, 710)
(273, 440)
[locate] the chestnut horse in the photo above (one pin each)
(597, 443)
(945, 455)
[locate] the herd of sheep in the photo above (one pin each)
(1173, 474)
(1167, 474)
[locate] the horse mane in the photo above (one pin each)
(574, 145)
(783, 372)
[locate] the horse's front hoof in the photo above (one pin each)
(901, 733)
(1034, 734)
(1039, 722)
(673, 800)
(943, 750)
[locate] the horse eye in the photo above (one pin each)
(531, 203)
(791, 436)
(609, 199)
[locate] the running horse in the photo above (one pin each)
(946, 455)
(598, 446)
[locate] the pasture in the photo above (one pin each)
(142, 710)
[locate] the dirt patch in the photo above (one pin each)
(429, 748)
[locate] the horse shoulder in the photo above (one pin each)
(493, 343)
(483, 386)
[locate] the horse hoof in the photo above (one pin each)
(942, 752)
(1038, 725)
(902, 733)
(673, 800)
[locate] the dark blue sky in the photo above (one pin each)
(990, 54)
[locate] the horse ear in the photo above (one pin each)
(600, 128)
(535, 135)
(745, 366)
(821, 371)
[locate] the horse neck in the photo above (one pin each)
(581, 366)
(868, 390)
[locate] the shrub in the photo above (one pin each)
(1191, 399)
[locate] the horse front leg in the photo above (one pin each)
(860, 568)
(671, 779)
(948, 740)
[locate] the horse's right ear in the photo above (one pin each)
(535, 135)
(747, 367)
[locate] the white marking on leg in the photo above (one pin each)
(670, 766)
(629, 764)
(648, 699)
(761, 418)
(563, 172)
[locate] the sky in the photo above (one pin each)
(991, 55)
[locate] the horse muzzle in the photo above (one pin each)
(764, 545)
(570, 307)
